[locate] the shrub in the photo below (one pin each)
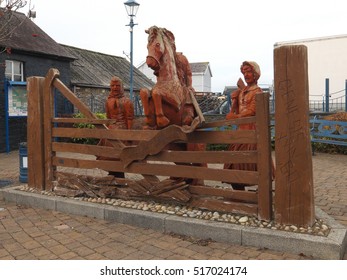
(90, 141)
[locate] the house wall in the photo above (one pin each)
(33, 66)
(94, 98)
(198, 82)
(148, 72)
(201, 82)
(327, 58)
(207, 82)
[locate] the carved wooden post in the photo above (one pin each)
(36, 175)
(264, 157)
(294, 200)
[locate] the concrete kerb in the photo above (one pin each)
(331, 247)
(217, 231)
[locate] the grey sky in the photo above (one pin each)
(223, 32)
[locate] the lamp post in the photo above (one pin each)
(131, 7)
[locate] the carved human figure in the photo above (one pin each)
(119, 108)
(185, 75)
(243, 105)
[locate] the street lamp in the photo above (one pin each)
(131, 7)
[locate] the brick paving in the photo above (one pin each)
(39, 234)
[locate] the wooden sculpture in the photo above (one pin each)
(171, 100)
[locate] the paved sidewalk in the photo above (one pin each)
(32, 233)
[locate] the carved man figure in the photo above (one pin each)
(119, 108)
(244, 106)
(185, 75)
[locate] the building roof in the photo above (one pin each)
(309, 40)
(196, 67)
(28, 37)
(200, 67)
(228, 90)
(94, 69)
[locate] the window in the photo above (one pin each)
(14, 71)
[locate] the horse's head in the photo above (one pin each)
(159, 39)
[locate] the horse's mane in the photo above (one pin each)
(170, 39)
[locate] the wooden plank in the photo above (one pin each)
(73, 99)
(160, 184)
(195, 172)
(197, 107)
(138, 188)
(47, 125)
(175, 195)
(35, 138)
(227, 123)
(250, 197)
(84, 120)
(264, 157)
(164, 137)
(223, 206)
(63, 191)
(223, 137)
(206, 156)
(104, 151)
(115, 134)
(150, 179)
(294, 200)
(172, 186)
(213, 137)
(181, 171)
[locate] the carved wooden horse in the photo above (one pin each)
(171, 105)
(165, 104)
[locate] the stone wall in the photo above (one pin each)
(94, 98)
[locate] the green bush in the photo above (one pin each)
(217, 147)
(90, 141)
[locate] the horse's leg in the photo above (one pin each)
(149, 114)
(162, 121)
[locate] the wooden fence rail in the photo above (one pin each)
(164, 167)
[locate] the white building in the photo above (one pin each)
(201, 75)
(327, 59)
(143, 67)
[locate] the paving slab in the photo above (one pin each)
(331, 247)
(109, 237)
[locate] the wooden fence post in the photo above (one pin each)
(264, 157)
(48, 102)
(294, 200)
(36, 174)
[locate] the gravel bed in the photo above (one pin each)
(319, 227)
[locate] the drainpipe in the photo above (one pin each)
(327, 95)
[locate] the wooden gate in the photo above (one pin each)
(162, 173)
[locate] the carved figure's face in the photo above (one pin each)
(248, 74)
(116, 88)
